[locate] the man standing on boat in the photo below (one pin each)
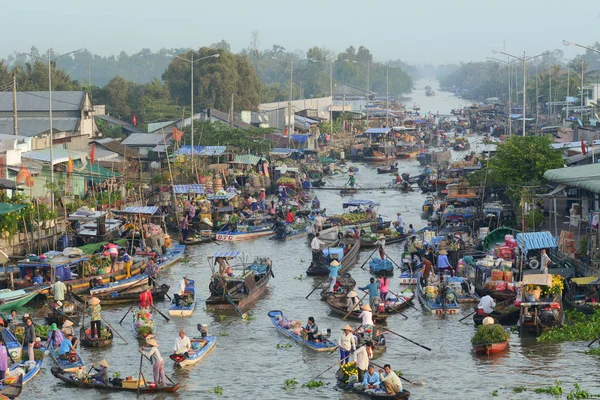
(333, 273)
(347, 344)
(263, 198)
(59, 289)
(351, 181)
(29, 338)
(185, 227)
(362, 355)
(399, 223)
(152, 271)
(182, 344)
(315, 246)
(381, 246)
(181, 290)
(373, 290)
(146, 300)
(319, 221)
(545, 262)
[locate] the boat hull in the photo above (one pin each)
(320, 346)
(238, 237)
(490, 348)
(349, 259)
(184, 311)
(66, 365)
(198, 355)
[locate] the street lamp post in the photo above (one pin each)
(524, 59)
(191, 61)
(50, 60)
(508, 66)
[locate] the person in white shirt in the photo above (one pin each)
(362, 355)
(347, 344)
(545, 262)
(400, 223)
(315, 246)
(487, 304)
(181, 290)
(182, 343)
(366, 316)
(319, 222)
(389, 380)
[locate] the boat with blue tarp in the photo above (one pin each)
(435, 298)
(283, 325)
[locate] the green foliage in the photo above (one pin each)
(253, 140)
(222, 334)
(218, 390)
(290, 384)
(313, 384)
(577, 327)
(578, 393)
(555, 390)
(534, 218)
(495, 393)
(285, 346)
(520, 389)
(37, 355)
(490, 334)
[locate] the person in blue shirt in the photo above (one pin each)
(370, 381)
(306, 184)
(443, 262)
(38, 279)
(66, 347)
(373, 289)
(334, 266)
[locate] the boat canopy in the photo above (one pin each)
(537, 279)
(358, 203)
(185, 189)
(148, 210)
(586, 280)
(220, 196)
(226, 254)
(535, 240)
(59, 263)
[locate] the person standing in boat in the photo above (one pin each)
(362, 355)
(113, 253)
(351, 181)
(29, 338)
(146, 300)
(545, 262)
(334, 266)
(384, 286)
(366, 316)
(381, 246)
(58, 290)
(158, 364)
(55, 338)
(443, 263)
(185, 228)
(263, 199)
(94, 310)
(319, 222)
(347, 344)
(316, 245)
(152, 271)
(399, 221)
(373, 289)
(185, 282)
(182, 344)
(128, 263)
(352, 302)
(289, 218)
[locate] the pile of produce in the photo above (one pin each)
(349, 369)
(143, 324)
(370, 237)
(37, 355)
(298, 226)
(487, 334)
(431, 292)
(349, 218)
(285, 181)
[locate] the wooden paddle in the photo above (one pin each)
(463, 318)
(394, 262)
(158, 311)
(350, 312)
(397, 299)
(161, 289)
(113, 329)
(166, 376)
(336, 363)
(140, 373)
(367, 260)
(126, 313)
(319, 285)
(243, 315)
(405, 338)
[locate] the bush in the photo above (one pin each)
(490, 334)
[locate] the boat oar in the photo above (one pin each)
(593, 341)
(243, 315)
(8, 352)
(161, 289)
(394, 262)
(352, 309)
(126, 313)
(463, 318)
(158, 311)
(367, 260)
(140, 373)
(319, 285)
(405, 338)
(113, 329)
(166, 376)
(397, 299)
(336, 363)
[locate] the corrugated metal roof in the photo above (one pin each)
(202, 150)
(584, 177)
(154, 126)
(377, 131)
(282, 150)
(33, 126)
(226, 254)
(193, 188)
(535, 240)
(144, 139)
(248, 159)
(116, 121)
(60, 155)
(40, 101)
(138, 210)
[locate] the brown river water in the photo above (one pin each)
(246, 362)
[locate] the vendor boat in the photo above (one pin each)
(462, 289)
(200, 348)
(143, 324)
(436, 303)
(105, 339)
(68, 365)
(575, 292)
(14, 299)
(187, 302)
(119, 286)
(345, 251)
(338, 306)
(349, 387)
(69, 310)
(12, 390)
(505, 313)
(373, 155)
(540, 314)
(133, 295)
(203, 237)
(21, 372)
(346, 191)
(279, 321)
(246, 284)
(250, 229)
(123, 385)
(286, 231)
(13, 346)
(490, 348)
(409, 278)
(344, 284)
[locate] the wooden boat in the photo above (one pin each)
(347, 283)
(349, 387)
(277, 315)
(184, 310)
(378, 266)
(575, 292)
(250, 229)
(348, 191)
(13, 346)
(71, 380)
(438, 305)
(200, 348)
(70, 310)
(497, 236)
(373, 155)
(143, 324)
(462, 290)
(389, 170)
(541, 315)
(338, 306)
(12, 390)
(26, 370)
(133, 295)
(408, 278)
(396, 304)
(66, 365)
(490, 348)
(85, 336)
(245, 286)
(330, 234)
(119, 286)
(506, 313)
(14, 299)
(291, 231)
(173, 255)
(198, 239)
(481, 274)
(348, 249)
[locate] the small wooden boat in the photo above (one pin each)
(346, 284)
(389, 170)
(348, 191)
(200, 348)
(85, 335)
(67, 365)
(143, 324)
(408, 278)
(189, 303)
(198, 239)
(291, 231)
(131, 386)
(347, 252)
(13, 346)
(349, 387)
(338, 306)
(250, 229)
(373, 155)
(14, 299)
(12, 390)
(26, 370)
(439, 304)
(277, 316)
(462, 290)
(396, 304)
(119, 286)
(70, 310)
(490, 348)
(506, 313)
(133, 295)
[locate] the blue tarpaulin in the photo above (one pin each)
(138, 210)
(535, 241)
(193, 188)
(377, 131)
(299, 138)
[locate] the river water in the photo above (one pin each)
(247, 364)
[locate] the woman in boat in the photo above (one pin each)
(55, 338)
(94, 310)
(101, 377)
(366, 316)
(29, 337)
(152, 271)
(443, 262)
(158, 365)
(185, 228)
(592, 296)
(146, 300)
(347, 344)
(351, 181)
(352, 302)
(129, 262)
(384, 286)
(381, 246)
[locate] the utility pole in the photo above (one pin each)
(387, 96)
(15, 119)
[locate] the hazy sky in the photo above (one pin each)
(425, 31)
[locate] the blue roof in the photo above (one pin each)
(300, 138)
(377, 131)
(138, 210)
(535, 240)
(202, 150)
(356, 203)
(214, 196)
(193, 188)
(283, 150)
(226, 254)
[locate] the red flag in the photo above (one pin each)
(93, 154)
(134, 120)
(22, 174)
(284, 131)
(29, 181)
(177, 134)
(583, 150)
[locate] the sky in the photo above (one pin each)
(417, 32)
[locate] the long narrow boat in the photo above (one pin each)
(66, 365)
(88, 341)
(338, 306)
(12, 390)
(184, 310)
(289, 231)
(251, 228)
(133, 295)
(198, 239)
(437, 305)
(246, 285)
(346, 284)
(13, 346)
(391, 239)
(200, 348)
(409, 278)
(13, 299)
(462, 290)
(349, 387)
(119, 286)
(70, 310)
(26, 370)
(277, 316)
(85, 384)
(345, 249)
(143, 324)
(505, 313)
(490, 348)
(173, 255)
(396, 304)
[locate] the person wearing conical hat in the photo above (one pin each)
(94, 309)
(158, 364)
(347, 344)
(67, 328)
(352, 302)
(381, 246)
(488, 321)
(101, 377)
(443, 263)
(334, 266)
(366, 316)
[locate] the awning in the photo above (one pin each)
(227, 254)
(535, 241)
(584, 177)
(185, 189)
(202, 150)
(149, 210)
(356, 203)
(247, 159)
(537, 279)
(556, 190)
(6, 208)
(219, 196)
(283, 150)
(586, 280)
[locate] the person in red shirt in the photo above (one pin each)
(146, 299)
(289, 218)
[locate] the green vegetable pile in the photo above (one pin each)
(490, 334)
(578, 326)
(145, 330)
(37, 355)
